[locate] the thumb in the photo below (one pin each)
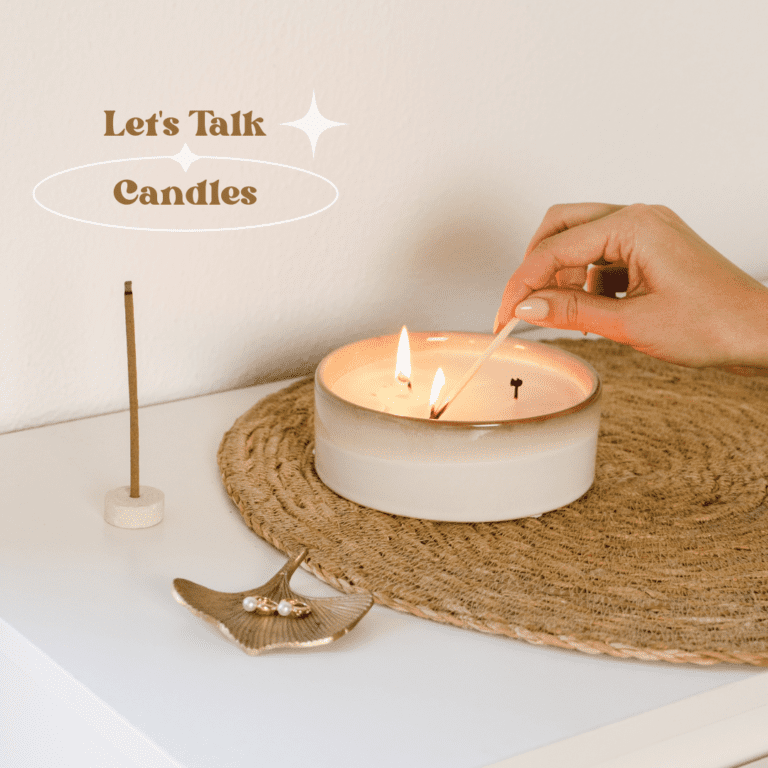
(575, 310)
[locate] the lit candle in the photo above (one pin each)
(519, 440)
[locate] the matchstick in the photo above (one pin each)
(438, 410)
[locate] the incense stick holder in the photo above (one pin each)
(123, 511)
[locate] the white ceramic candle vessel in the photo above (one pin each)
(491, 456)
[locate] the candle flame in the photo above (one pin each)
(437, 385)
(403, 368)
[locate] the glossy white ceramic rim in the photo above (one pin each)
(447, 423)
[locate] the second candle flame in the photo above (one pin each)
(437, 385)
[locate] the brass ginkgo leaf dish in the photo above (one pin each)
(272, 615)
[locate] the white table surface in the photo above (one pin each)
(100, 666)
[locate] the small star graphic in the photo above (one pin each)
(185, 157)
(313, 124)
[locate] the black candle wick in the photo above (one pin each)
(516, 383)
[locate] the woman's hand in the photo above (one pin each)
(685, 303)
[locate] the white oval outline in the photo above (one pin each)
(173, 157)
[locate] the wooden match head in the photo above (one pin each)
(128, 288)
(436, 413)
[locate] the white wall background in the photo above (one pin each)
(465, 121)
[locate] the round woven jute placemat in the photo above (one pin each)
(665, 558)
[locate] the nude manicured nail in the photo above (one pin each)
(532, 309)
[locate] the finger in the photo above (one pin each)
(577, 311)
(578, 246)
(561, 217)
(571, 277)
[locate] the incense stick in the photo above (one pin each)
(134, 506)
(133, 394)
(437, 411)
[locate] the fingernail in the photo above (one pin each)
(532, 309)
(496, 322)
